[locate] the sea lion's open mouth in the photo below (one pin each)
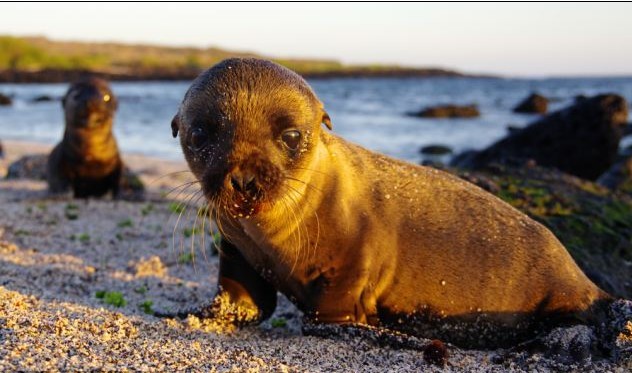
(246, 192)
(243, 209)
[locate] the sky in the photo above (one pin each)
(511, 39)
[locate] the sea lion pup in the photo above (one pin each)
(355, 237)
(87, 158)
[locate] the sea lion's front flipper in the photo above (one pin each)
(58, 182)
(244, 290)
(243, 296)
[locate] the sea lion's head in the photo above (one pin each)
(89, 103)
(246, 127)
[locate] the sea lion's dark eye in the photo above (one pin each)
(197, 139)
(291, 139)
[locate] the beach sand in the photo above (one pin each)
(57, 255)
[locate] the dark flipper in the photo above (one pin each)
(243, 296)
(379, 336)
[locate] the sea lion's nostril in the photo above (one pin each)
(243, 182)
(235, 182)
(250, 183)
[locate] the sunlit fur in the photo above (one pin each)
(351, 236)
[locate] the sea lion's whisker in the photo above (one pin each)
(303, 220)
(317, 232)
(301, 226)
(214, 216)
(168, 174)
(203, 238)
(300, 223)
(218, 219)
(298, 235)
(193, 230)
(183, 187)
(304, 182)
(181, 204)
(288, 223)
(194, 227)
(184, 204)
(173, 234)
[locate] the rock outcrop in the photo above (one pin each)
(534, 104)
(5, 100)
(581, 140)
(619, 176)
(42, 98)
(436, 149)
(449, 111)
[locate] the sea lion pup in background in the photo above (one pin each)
(355, 237)
(87, 159)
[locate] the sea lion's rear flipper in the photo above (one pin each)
(379, 336)
(243, 296)
(435, 351)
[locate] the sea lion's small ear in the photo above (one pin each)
(174, 126)
(327, 120)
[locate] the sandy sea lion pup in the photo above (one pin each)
(87, 159)
(355, 237)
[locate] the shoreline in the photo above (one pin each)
(63, 76)
(44, 147)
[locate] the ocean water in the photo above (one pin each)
(368, 111)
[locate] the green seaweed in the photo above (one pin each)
(141, 289)
(21, 232)
(125, 223)
(147, 209)
(71, 211)
(188, 232)
(146, 307)
(176, 207)
(186, 258)
(278, 322)
(113, 298)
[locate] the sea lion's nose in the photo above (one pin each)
(244, 182)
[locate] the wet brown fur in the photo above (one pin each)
(352, 236)
(87, 160)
